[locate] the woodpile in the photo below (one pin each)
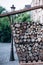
(28, 39)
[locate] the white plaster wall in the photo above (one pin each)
(37, 15)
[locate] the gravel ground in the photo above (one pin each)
(5, 49)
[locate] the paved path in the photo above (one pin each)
(5, 49)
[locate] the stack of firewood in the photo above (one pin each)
(28, 39)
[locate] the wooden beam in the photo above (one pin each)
(21, 11)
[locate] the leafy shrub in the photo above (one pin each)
(5, 31)
(23, 17)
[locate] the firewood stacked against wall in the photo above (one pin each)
(28, 39)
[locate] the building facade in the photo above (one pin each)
(37, 15)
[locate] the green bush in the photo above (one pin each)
(23, 17)
(5, 31)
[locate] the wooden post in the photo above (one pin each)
(21, 11)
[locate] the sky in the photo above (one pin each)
(19, 4)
